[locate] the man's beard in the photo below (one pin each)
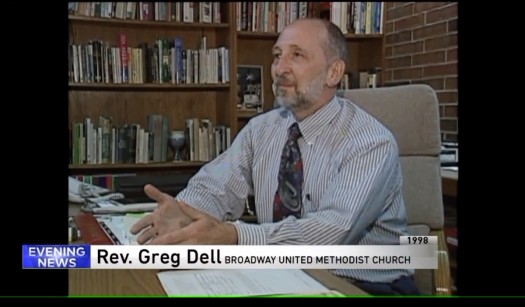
(299, 99)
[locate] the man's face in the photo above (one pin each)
(299, 66)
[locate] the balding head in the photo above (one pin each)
(308, 65)
(329, 35)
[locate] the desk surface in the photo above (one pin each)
(146, 283)
(449, 183)
(449, 174)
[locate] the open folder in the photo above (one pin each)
(107, 229)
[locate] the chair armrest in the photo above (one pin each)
(442, 280)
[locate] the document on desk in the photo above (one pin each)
(108, 207)
(117, 228)
(242, 282)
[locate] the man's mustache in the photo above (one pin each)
(283, 81)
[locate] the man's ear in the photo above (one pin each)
(335, 73)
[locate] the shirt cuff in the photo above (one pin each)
(200, 202)
(250, 234)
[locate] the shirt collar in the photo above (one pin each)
(312, 125)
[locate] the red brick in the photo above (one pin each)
(404, 61)
(436, 84)
(389, 75)
(449, 125)
(389, 51)
(452, 55)
(432, 30)
(447, 97)
(441, 111)
(427, 6)
(397, 83)
(389, 27)
(453, 25)
(389, 5)
(398, 4)
(400, 37)
(408, 73)
(429, 58)
(408, 23)
(400, 12)
(451, 111)
(408, 48)
(441, 42)
(451, 83)
(446, 13)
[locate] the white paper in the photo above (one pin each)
(112, 208)
(239, 282)
(120, 227)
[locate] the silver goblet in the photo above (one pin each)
(177, 140)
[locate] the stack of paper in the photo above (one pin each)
(245, 282)
(118, 227)
(108, 207)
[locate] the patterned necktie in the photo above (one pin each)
(288, 198)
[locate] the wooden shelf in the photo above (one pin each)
(246, 114)
(139, 166)
(164, 24)
(145, 86)
(364, 36)
(257, 35)
(272, 35)
(131, 103)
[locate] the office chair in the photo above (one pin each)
(411, 113)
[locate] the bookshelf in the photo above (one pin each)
(366, 51)
(131, 102)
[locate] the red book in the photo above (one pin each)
(90, 230)
(124, 60)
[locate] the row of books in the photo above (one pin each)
(270, 16)
(166, 61)
(203, 12)
(350, 17)
(107, 181)
(363, 79)
(106, 143)
(131, 143)
(355, 17)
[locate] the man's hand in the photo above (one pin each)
(168, 217)
(203, 229)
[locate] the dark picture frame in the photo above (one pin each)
(250, 87)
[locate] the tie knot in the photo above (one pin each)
(294, 131)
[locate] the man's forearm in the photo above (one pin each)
(203, 201)
(308, 231)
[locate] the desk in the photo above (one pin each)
(74, 209)
(145, 282)
(449, 183)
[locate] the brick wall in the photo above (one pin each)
(421, 47)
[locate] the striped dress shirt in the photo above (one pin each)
(352, 189)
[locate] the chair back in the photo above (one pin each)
(411, 113)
